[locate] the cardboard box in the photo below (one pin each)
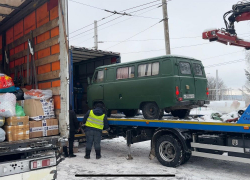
(16, 121)
(38, 109)
(15, 133)
(48, 127)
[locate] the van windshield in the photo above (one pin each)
(185, 68)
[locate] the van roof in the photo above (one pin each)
(143, 60)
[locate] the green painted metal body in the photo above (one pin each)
(132, 92)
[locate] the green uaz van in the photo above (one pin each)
(172, 83)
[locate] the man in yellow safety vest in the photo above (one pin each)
(95, 121)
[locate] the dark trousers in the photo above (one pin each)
(71, 141)
(93, 137)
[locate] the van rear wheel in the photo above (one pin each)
(130, 112)
(151, 111)
(180, 113)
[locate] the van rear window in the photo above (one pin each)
(126, 72)
(185, 68)
(198, 69)
(150, 69)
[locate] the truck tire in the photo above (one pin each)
(151, 111)
(130, 112)
(180, 113)
(169, 151)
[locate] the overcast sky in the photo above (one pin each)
(187, 18)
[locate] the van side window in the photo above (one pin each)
(125, 72)
(99, 76)
(197, 69)
(185, 68)
(155, 68)
(150, 69)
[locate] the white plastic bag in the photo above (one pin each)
(38, 94)
(7, 105)
(2, 135)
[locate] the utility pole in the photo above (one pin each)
(217, 84)
(165, 24)
(95, 36)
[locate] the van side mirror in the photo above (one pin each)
(88, 81)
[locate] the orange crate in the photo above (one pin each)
(55, 49)
(9, 35)
(19, 48)
(1, 46)
(43, 53)
(42, 15)
(12, 52)
(54, 32)
(57, 102)
(54, 13)
(46, 85)
(30, 22)
(18, 30)
(43, 37)
(56, 83)
(44, 68)
(55, 65)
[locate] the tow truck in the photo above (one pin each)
(174, 141)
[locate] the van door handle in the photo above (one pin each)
(120, 96)
(101, 85)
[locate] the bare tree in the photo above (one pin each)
(211, 84)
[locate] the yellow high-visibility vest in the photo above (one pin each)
(95, 121)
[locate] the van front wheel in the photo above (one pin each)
(151, 111)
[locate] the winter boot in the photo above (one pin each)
(65, 150)
(87, 156)
(98, 154)
(72, 155)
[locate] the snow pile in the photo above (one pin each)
(114, 161)
(226, 106)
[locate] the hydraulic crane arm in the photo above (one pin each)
(239, 12)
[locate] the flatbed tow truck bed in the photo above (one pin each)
(174, 141)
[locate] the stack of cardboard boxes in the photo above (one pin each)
(39, 121)
(17, 128)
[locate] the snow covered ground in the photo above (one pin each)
(113, 161)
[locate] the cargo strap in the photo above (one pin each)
(32, 79)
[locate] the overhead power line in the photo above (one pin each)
(135, 35)
(164, 49)
(225, 63)
(114, 24)
(102, 25)
(112, 14)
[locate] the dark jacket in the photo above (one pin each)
(98, 112)
(73, 122)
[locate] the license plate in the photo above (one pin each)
(188, 96)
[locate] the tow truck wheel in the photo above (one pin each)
(151, 111)
(169, 151)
